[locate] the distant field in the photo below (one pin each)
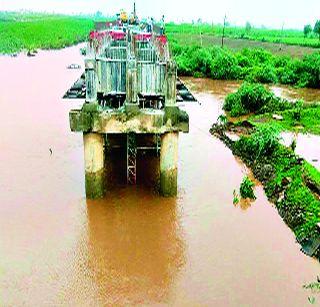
(288, 37)
(239, 44)
(32, 31)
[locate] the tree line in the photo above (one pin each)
(308, 29)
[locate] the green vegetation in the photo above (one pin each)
(289, 37)
(316, 29)
(284, 178)
(246, 189)
(253, 65)
(262, 142)
(308, 121)
(255, 98)
(289, 181)
(32, 31)
(307, 30)
(261, 104)
(236, 199)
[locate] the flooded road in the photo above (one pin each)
(132, 247)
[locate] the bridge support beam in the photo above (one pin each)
(94, 165)
(169, 164)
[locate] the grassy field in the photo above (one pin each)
(238, 44)
(288, 37)
(32, 31)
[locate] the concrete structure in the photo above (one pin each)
(130, 89)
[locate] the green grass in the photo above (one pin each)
(260, 104)
(309, 121)
(300, 208)
(286, 185)
(39, 31)
(289, 37)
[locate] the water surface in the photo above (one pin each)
(133, 247)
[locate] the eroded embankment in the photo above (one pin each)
(290, 182)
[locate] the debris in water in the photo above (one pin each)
(31, 53)
(277, 117)
(74, 66)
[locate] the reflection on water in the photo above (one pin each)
(135, 246)
(131, 247)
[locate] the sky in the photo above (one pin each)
(270, 13)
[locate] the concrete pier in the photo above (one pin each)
(94, 164)
(169, 164)
(130, 90)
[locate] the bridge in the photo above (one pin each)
(130, 96)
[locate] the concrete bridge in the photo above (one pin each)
(130, 83)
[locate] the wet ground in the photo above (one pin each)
(133, 247)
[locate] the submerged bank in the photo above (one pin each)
(289, 181)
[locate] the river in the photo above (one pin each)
(133, 247)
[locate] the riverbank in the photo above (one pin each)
(289, 181)
(304, 120)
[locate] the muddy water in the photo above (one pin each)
(133, 247)
(220, 88)
(307, 146)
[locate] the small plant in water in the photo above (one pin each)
(315, 289)
(293, 144)
(246, 188)
(222, 120)
(236, 199)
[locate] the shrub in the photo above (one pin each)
(248, 98)
(246, 188)
(264, 141)
(224, 66)
(263, 74)
(253, 65)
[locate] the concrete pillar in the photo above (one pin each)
(91, 81)
(169, 164)
(171, 86)
(94, 164)
(132, 104)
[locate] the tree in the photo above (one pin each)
(316, 28)
(307, 30)
(248, 27)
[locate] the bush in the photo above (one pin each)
(256, 98)
(264, 141)
(248, 98)
(246, 188)
(253, 65)
(224, 67)
(263, 74)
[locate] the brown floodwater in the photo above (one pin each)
(221, 88)
(133, 247)
(307, 146)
